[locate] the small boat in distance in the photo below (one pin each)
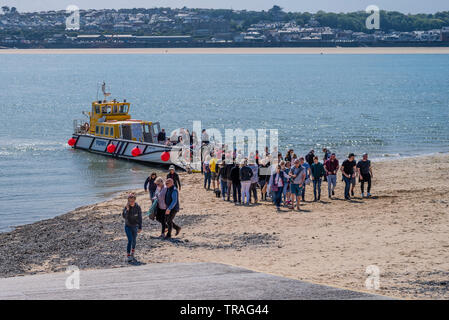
(110, 131)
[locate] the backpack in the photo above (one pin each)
(309, 158)
(152, 211)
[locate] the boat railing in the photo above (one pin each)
(79, 126)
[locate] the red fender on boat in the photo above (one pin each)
(111, 148)
(165, 156)
(71, 142)
(135, 152)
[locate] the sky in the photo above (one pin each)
(405, 6)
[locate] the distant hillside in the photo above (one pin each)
(224, 27)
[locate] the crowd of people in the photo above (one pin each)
(283, 179)
(280, 179)
(182, 136)
(164, 196)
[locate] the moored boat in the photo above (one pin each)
(110, 130)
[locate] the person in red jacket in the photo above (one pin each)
(331, 166)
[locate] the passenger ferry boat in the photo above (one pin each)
(110, 131)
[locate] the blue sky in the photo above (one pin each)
(405, 6)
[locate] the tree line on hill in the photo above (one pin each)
(240, 20)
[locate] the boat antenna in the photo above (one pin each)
(103, 88)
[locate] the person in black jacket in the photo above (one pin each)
(223, 179)
(149, 183)
(172, 203)
(228, 169)
(173, 175)
(161, 137)
(264, 177)
(133, 224)
(310, 156)
(236, 186)
(246, 174)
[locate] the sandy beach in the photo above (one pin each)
(403, 230)
(337, 50)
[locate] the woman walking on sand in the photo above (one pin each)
(161, 190)
(133, 225)
(149, 183)
(277, 183)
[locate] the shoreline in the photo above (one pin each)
(403, 157)
(260, 50)
(403, 230)
(127, 190)
(116, 194)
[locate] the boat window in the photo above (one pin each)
(96, 129)
(112, 131)
(109, 109)
(115, 108)
(102, 130)
(97, 109)
(156, 128)
(123, 108)
(107, 131)
(103, 109)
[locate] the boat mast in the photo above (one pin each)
(103, 88)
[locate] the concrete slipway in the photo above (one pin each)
(196, 281)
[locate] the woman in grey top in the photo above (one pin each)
(161, 190)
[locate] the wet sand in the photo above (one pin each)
(337, 50)
(402, 230)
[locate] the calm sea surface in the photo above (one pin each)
(387, 105)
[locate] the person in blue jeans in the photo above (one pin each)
(207, 174)
(172, 203)
(132, 213)
(297, 176)
(223, 181)
(306, 166)
(331, 167)
(348, 169)
(317, 173)
(236, 186)
(285, 189)
(151, 185)
(277, 182)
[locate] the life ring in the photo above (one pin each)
(86, 127)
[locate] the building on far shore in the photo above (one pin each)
(128, 38)
(445, 34)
